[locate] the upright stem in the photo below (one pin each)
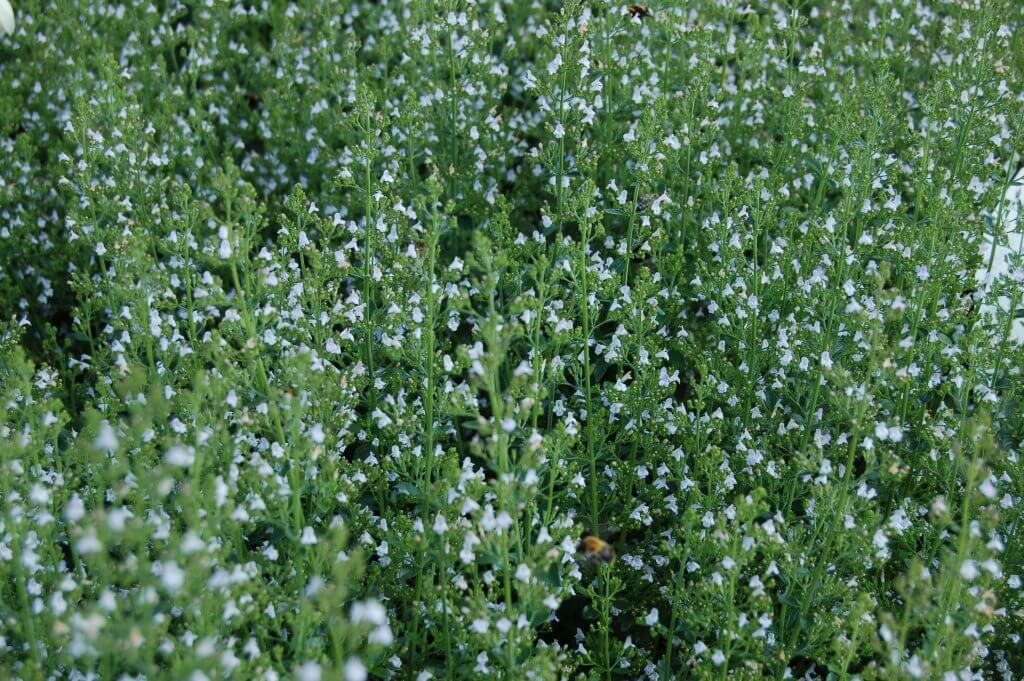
(448, 657)
(428, 399)
(606, 623)
(595, 515)
(368, 268)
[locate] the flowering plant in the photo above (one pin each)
(329, 329)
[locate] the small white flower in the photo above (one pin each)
(309, 671)
(381, 636)
(988, 488)
(308, 536)
(6, 17)
(106, 440)
(481, 664)
(172, 577)
(652, 617)
(89, 543)
(555, 64)
(969, 570)
(370, 612)
(354, 670)
(179, 456)
(58, 604)
(914, 668)
(75, 509)
(316, 433)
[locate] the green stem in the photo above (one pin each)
(428, 399)
(595, 515)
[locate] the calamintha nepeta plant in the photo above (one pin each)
(331, 328)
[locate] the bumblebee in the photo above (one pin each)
(639, 11)
(596, 551)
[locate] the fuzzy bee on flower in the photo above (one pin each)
(595, 551)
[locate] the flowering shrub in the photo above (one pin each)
(329, 329)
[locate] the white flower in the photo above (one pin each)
(555, 64)
(969, 570)
(89, 543)
(58, 604)
(652, 617)
(382, 636)
(881, 431)
(106, 440)
(371, 612)
(309, 671)
(179, 456)
(355, 670)
(913, 667)
(523, 573)
(172, 577)
(989, 489)
(308, 536)
(6, 17)
(75, 509)
(316, 433)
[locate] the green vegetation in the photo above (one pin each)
(327, 330)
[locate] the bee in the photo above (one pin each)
(639, 12)
(644, 202)
(596, 551)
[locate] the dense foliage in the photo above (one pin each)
(329, 328)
